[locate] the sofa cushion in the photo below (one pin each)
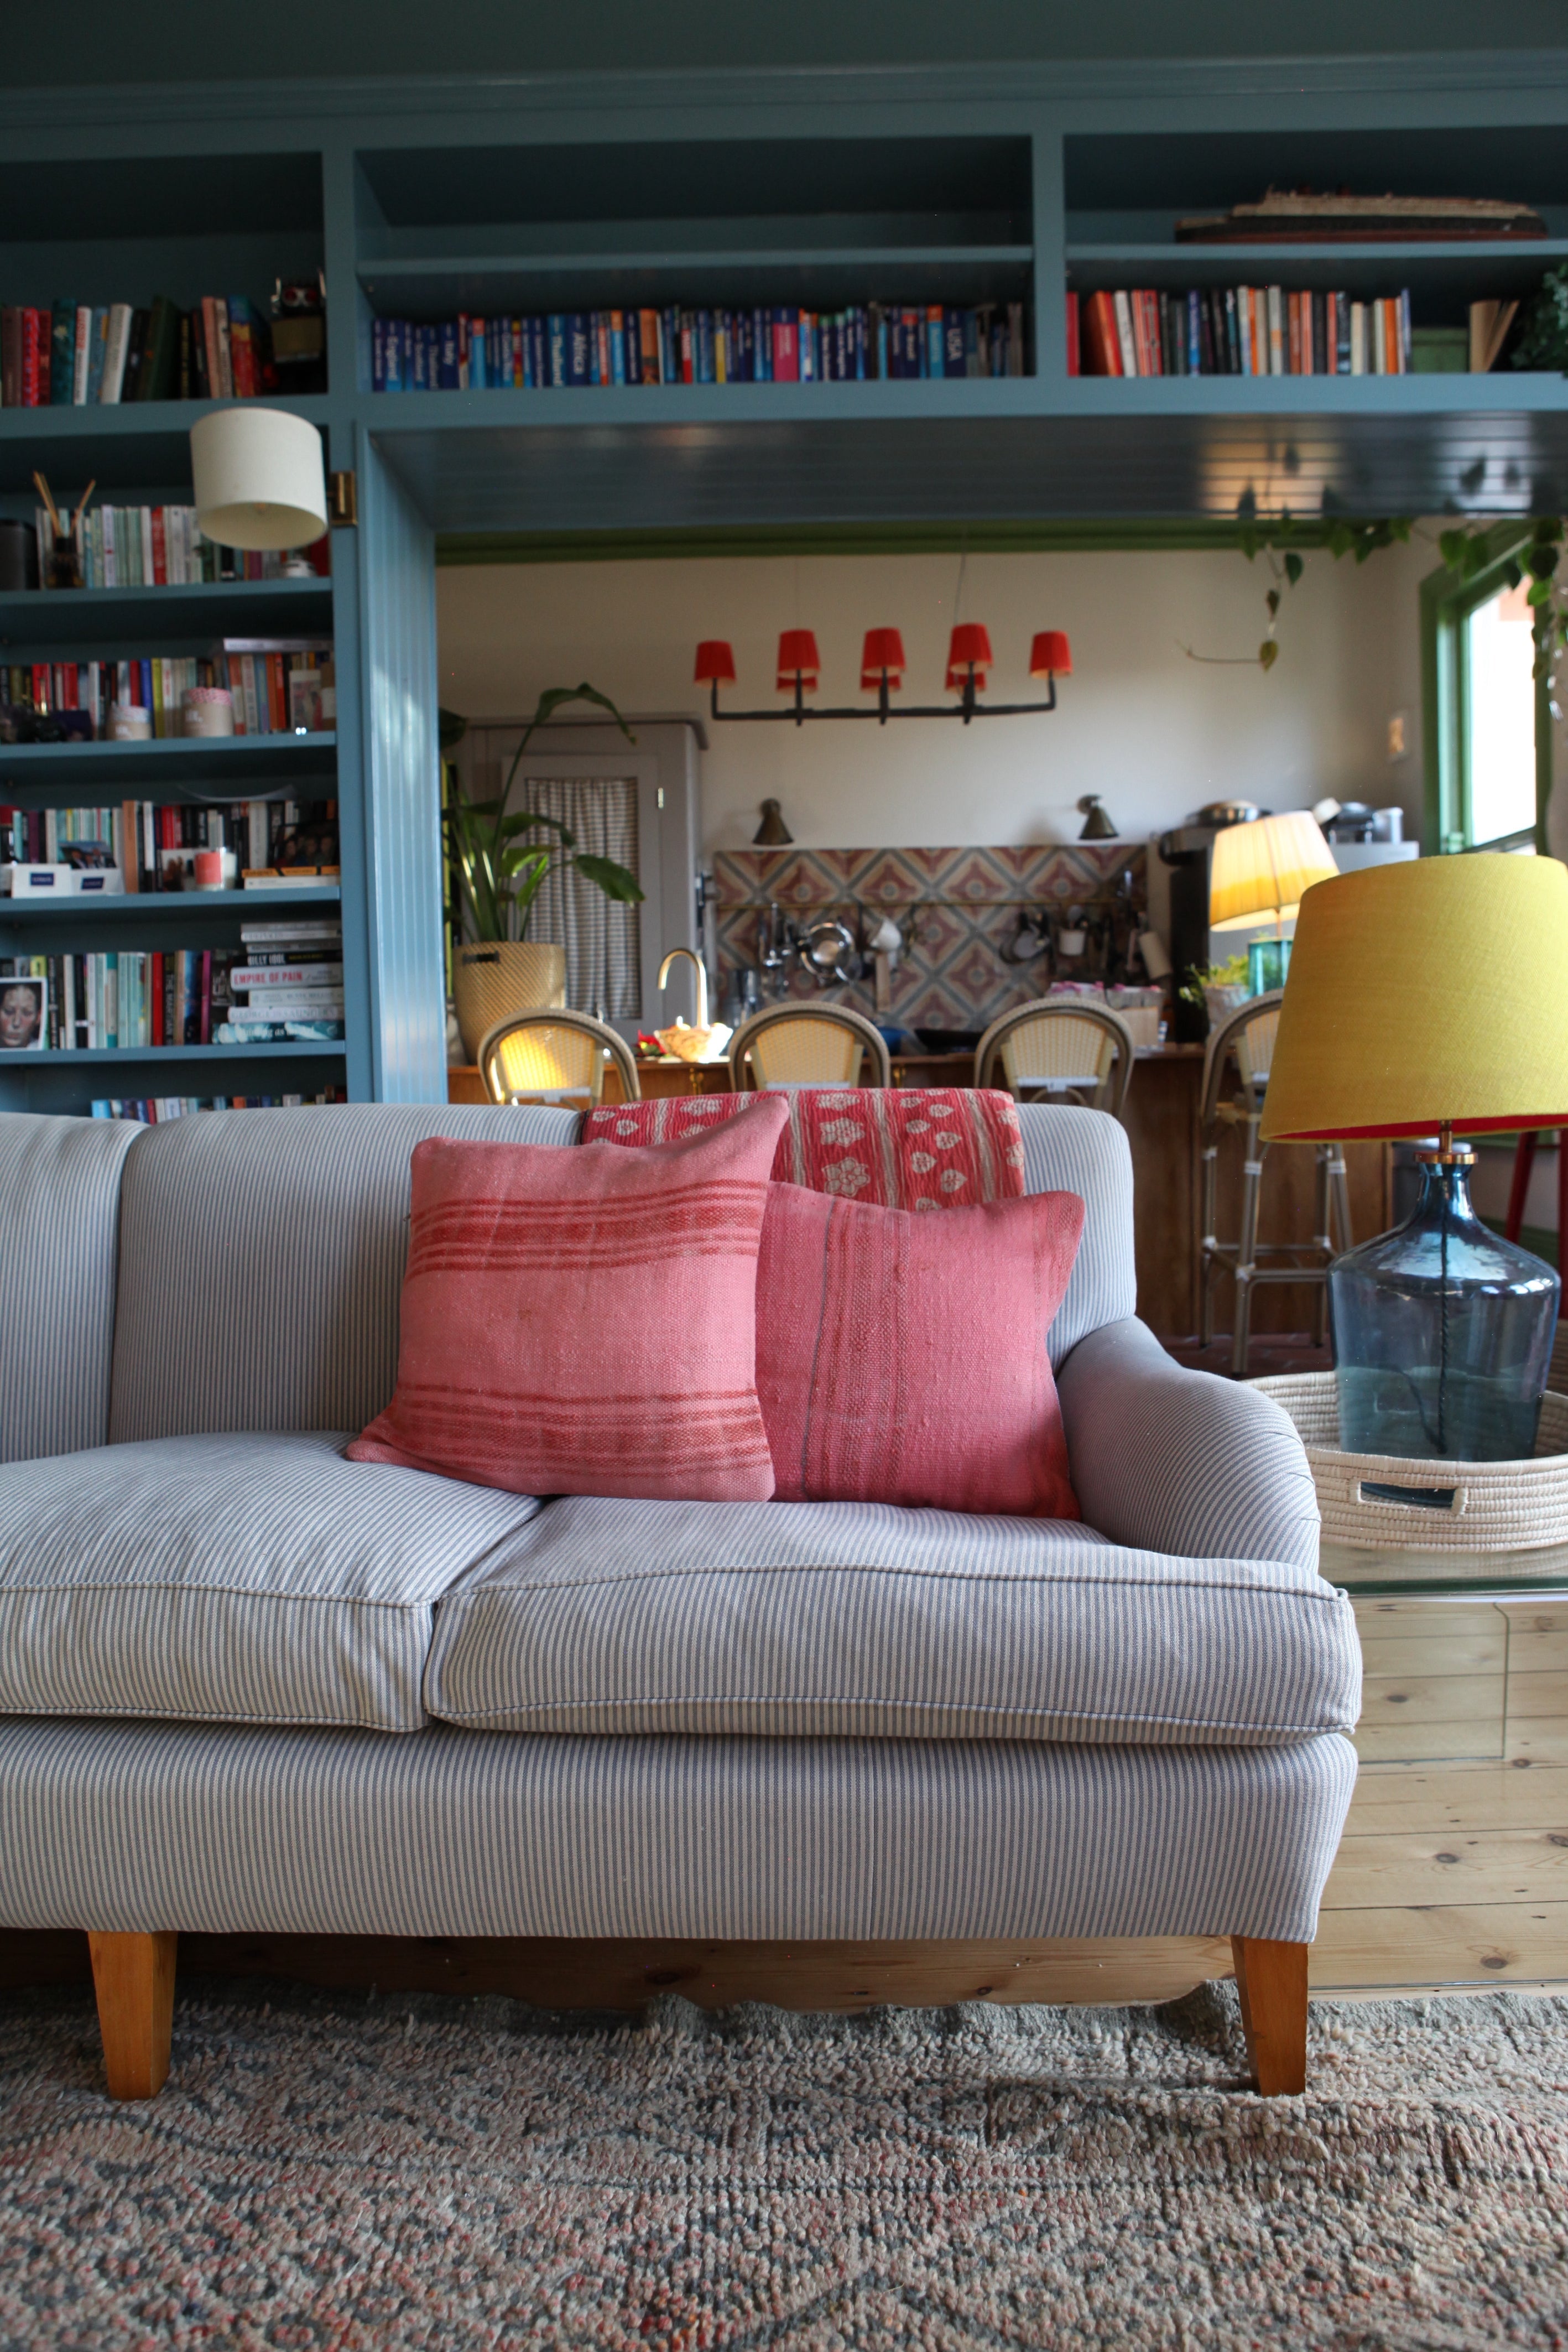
(1070, 1149)
(902, 1359)
(59, 1181)
(585, 1322)
(813, 1618)
(262, 1257)
(253, 1579)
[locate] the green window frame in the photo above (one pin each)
(1447, 604)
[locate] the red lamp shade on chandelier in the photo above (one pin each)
(716, 663)
(1051, 655)
(969, 650)
(799, 660)
(882, 656)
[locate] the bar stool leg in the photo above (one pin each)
(1247, 1249)
(1207, 1263)
(1324, 1244)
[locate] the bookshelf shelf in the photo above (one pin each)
(152, 907)
(1429, 269)
(180, 1056)
(32, 618)
(235, 767)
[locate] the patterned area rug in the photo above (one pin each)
(350, 2175)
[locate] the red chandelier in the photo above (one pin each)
(883, 666)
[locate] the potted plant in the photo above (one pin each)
(499, 862)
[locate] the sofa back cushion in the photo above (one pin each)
(1069, 1149)
(59, 1183)
(262, 1259)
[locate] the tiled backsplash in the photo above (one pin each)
(957, 906)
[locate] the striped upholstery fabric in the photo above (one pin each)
(1069, 1149)
(1177, 1461)
(262, 1262)
(138, 1826)
(252, 1579)
(819, 1619)
(59, 1183)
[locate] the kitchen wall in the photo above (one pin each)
(1155, 732)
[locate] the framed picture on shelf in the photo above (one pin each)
(24, 1015)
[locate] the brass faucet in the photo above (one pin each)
(698, 966)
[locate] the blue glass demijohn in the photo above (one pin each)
(1442, 1332)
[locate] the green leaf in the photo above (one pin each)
(529, 821)
(1538, 593)
(1272, 601)
(1267, 653)
(1294, 568)
(613, 880)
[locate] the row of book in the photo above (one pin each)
(153, 846)
(283, 985)
(81, 354)
(152, 1108)
(276, 686)
(561, 350)
(1237, 331)
(160, 547)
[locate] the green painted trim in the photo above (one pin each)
(1446, 602)
(1200, 534)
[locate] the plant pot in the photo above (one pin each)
(491, 977)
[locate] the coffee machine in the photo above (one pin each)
(1187, 851)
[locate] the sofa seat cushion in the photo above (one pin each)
(257, 1579)
(862, 1618)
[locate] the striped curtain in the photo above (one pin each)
(602, 937)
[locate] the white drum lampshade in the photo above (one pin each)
(259, 477)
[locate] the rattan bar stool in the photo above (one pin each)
(1065, 1051)
(545, 1054)
(1245, 1043)
(809, 1045)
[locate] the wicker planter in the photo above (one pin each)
(493, 977)
(1386, 1502)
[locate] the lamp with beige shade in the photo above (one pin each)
(1258, 873)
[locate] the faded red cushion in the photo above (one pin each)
(907, 1147)
(902, 1359)
(584, 1322)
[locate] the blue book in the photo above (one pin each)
(704, 369)
(377, 355)
(539, 350)
(405, 354)
(478, 379)
(558, 349)
(618, 347)
(391, 356)
(426, 340)
(761, 348)
(632, 345)
(97, 346)
(579, 335)
(935, 343)
(1194, 335)
(447, 357)
(954, 361)
(883, 348)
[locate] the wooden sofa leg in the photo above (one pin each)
(134, 1977)
(1272, 1981)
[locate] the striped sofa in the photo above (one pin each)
(248, 1685)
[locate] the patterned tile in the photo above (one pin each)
(958, 906)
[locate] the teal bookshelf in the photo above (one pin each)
(968, 184)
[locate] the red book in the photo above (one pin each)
(688, 349)
(1293, 336)
(35, 360)
(1103, 345)
(242, 358)
(276, 695)
(1072, 346)
(160, 551)
(785, 348)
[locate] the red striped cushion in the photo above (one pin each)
(902, 1359)
(907, 1147)
(585, 1322)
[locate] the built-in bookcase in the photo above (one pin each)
(117, 624)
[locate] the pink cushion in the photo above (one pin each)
(584, 1322)
(909, 1147)
(902, 1359)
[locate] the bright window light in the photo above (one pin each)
(1500, 716)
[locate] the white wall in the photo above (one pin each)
(1155, 733)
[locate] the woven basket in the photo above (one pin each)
(1473, 1505)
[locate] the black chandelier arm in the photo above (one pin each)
(969, 708)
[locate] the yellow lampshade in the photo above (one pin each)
(1422, 994)
(1257, 872)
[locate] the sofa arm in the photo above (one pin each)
(1174, 1461)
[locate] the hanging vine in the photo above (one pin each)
(1468, 553)
(1286, 566)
